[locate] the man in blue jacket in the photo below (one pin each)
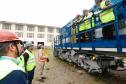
(10, 48)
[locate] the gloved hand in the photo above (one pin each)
(47, 60)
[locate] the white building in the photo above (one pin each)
(32, 32)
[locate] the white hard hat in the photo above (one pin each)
(40, 46)
(29, 43)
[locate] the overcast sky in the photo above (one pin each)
(44, 12)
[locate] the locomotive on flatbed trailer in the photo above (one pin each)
(88, 48)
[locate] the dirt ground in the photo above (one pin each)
(61, 72)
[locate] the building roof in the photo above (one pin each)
(9, 22)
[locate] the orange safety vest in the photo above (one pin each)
(43, 57)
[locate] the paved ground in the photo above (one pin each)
(60, 72)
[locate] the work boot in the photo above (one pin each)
(43, 77)
(41, 80)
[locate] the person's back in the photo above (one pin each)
(10, 49)
(13, 75)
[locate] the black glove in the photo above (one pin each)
(47, 60)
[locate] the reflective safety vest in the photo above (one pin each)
(21, 62)
(43, 58)
(7, 66)
(30, 63)
(82, 26)
(86, 24)
(107, 15)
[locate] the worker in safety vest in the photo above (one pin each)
(27, 61)
(10, 49)
(82, 24)
(86, 24)
(106, 16)
(82, 27)
(42, 58)
(42, 54)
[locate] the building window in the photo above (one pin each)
(41, 29)
(40, 35)
(58, 30)
(50, 37)
(19, 27)
(30, 28)
(6, 26)
(19, 34)
(30, 35)
(50, 30)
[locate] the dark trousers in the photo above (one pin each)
(30, 76)
(82, 37)
(108, 32)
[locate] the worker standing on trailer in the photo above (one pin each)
(82, 27)
(87, 15)
(87, 23)
(27, 60)
(75, 27)
(10, 49)
(73, 32)
(105, 17)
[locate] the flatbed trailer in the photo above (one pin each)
(95, 54)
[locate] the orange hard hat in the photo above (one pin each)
(6, 36)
